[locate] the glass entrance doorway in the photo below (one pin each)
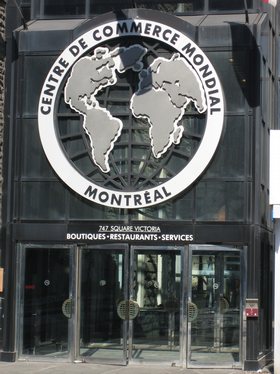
(215, 307)
(121, 304)
(46, 301)
(130, 304)
(156, 286)
(102, 287)
(107, 303)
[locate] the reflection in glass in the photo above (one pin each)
(171, 6)
(102, 288)
(157, 285)
(42, 200)
(33, 163)
(35, 71)
(228, 5)
(64, 7)
(216, 293)
(46, 288)
(220, 201)
(230, 158)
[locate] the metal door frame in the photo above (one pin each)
(242, 321)
(21, 258)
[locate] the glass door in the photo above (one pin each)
(103, 292)
(214, 307)
(156, 287)
(46, 301)
(129, 307)
(107, 303)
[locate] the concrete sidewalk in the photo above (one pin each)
(82, 368)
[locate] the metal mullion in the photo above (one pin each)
(74, 294)
(189, 299)
(21, 250)
(131, 262)
(183, 305)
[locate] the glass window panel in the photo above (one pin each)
(229, 5)
(216, 293)
(157, 290)
(64, 7)
(46, 290)
(80, 209)
(220, 201)
(42, 200)
(265, 92)
(233, 71)
(100, 6)
(229, 160)
(264, 207)
(184, 206)
(264, 155)
(189, 5)
(76, 143)
(102, 289)
(235, 201)
(83, 209)
(36, 69)
(161, 211)
(33, 161)
(70, 130)
(78, 7)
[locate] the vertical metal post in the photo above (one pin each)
(246, 11)
(74, 294)
(277, 299)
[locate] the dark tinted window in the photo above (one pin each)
(228, 5)
(230, 158)
(36, 69)
(33, 162)
(64, 7)
(220, 201)
(42, 200)
(236, 75)
(86, 8)
(99, 6)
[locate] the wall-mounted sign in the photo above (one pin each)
(155, 233)
(252, 308)
(131, 113)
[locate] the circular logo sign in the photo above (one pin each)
(131, 113)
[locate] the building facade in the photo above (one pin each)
(136, 225)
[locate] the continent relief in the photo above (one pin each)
(165, 89)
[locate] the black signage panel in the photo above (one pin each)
(135, 233)
(148, 233)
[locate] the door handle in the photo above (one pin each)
(192, 310)
(128, 309)
(67, 308)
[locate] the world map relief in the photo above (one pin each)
(164, 91)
